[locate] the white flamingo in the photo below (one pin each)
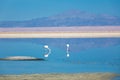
(67, 52)
(49, 51)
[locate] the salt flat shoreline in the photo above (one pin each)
(63, 29)
(61, 32)
(78, 76)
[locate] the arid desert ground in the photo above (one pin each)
(80, 76)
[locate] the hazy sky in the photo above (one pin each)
(28, 9)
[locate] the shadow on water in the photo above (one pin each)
(41, 59)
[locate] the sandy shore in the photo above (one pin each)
(60, 35)
(80, 76)
(61, 32)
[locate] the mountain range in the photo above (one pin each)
(69, 18)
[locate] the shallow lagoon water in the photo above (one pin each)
(94, 59)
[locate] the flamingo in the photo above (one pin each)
(49, 51)
(67, 52)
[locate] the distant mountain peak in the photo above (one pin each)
(68, 18)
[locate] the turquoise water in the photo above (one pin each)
(94, 58)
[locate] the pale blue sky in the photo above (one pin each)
(29, 9)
